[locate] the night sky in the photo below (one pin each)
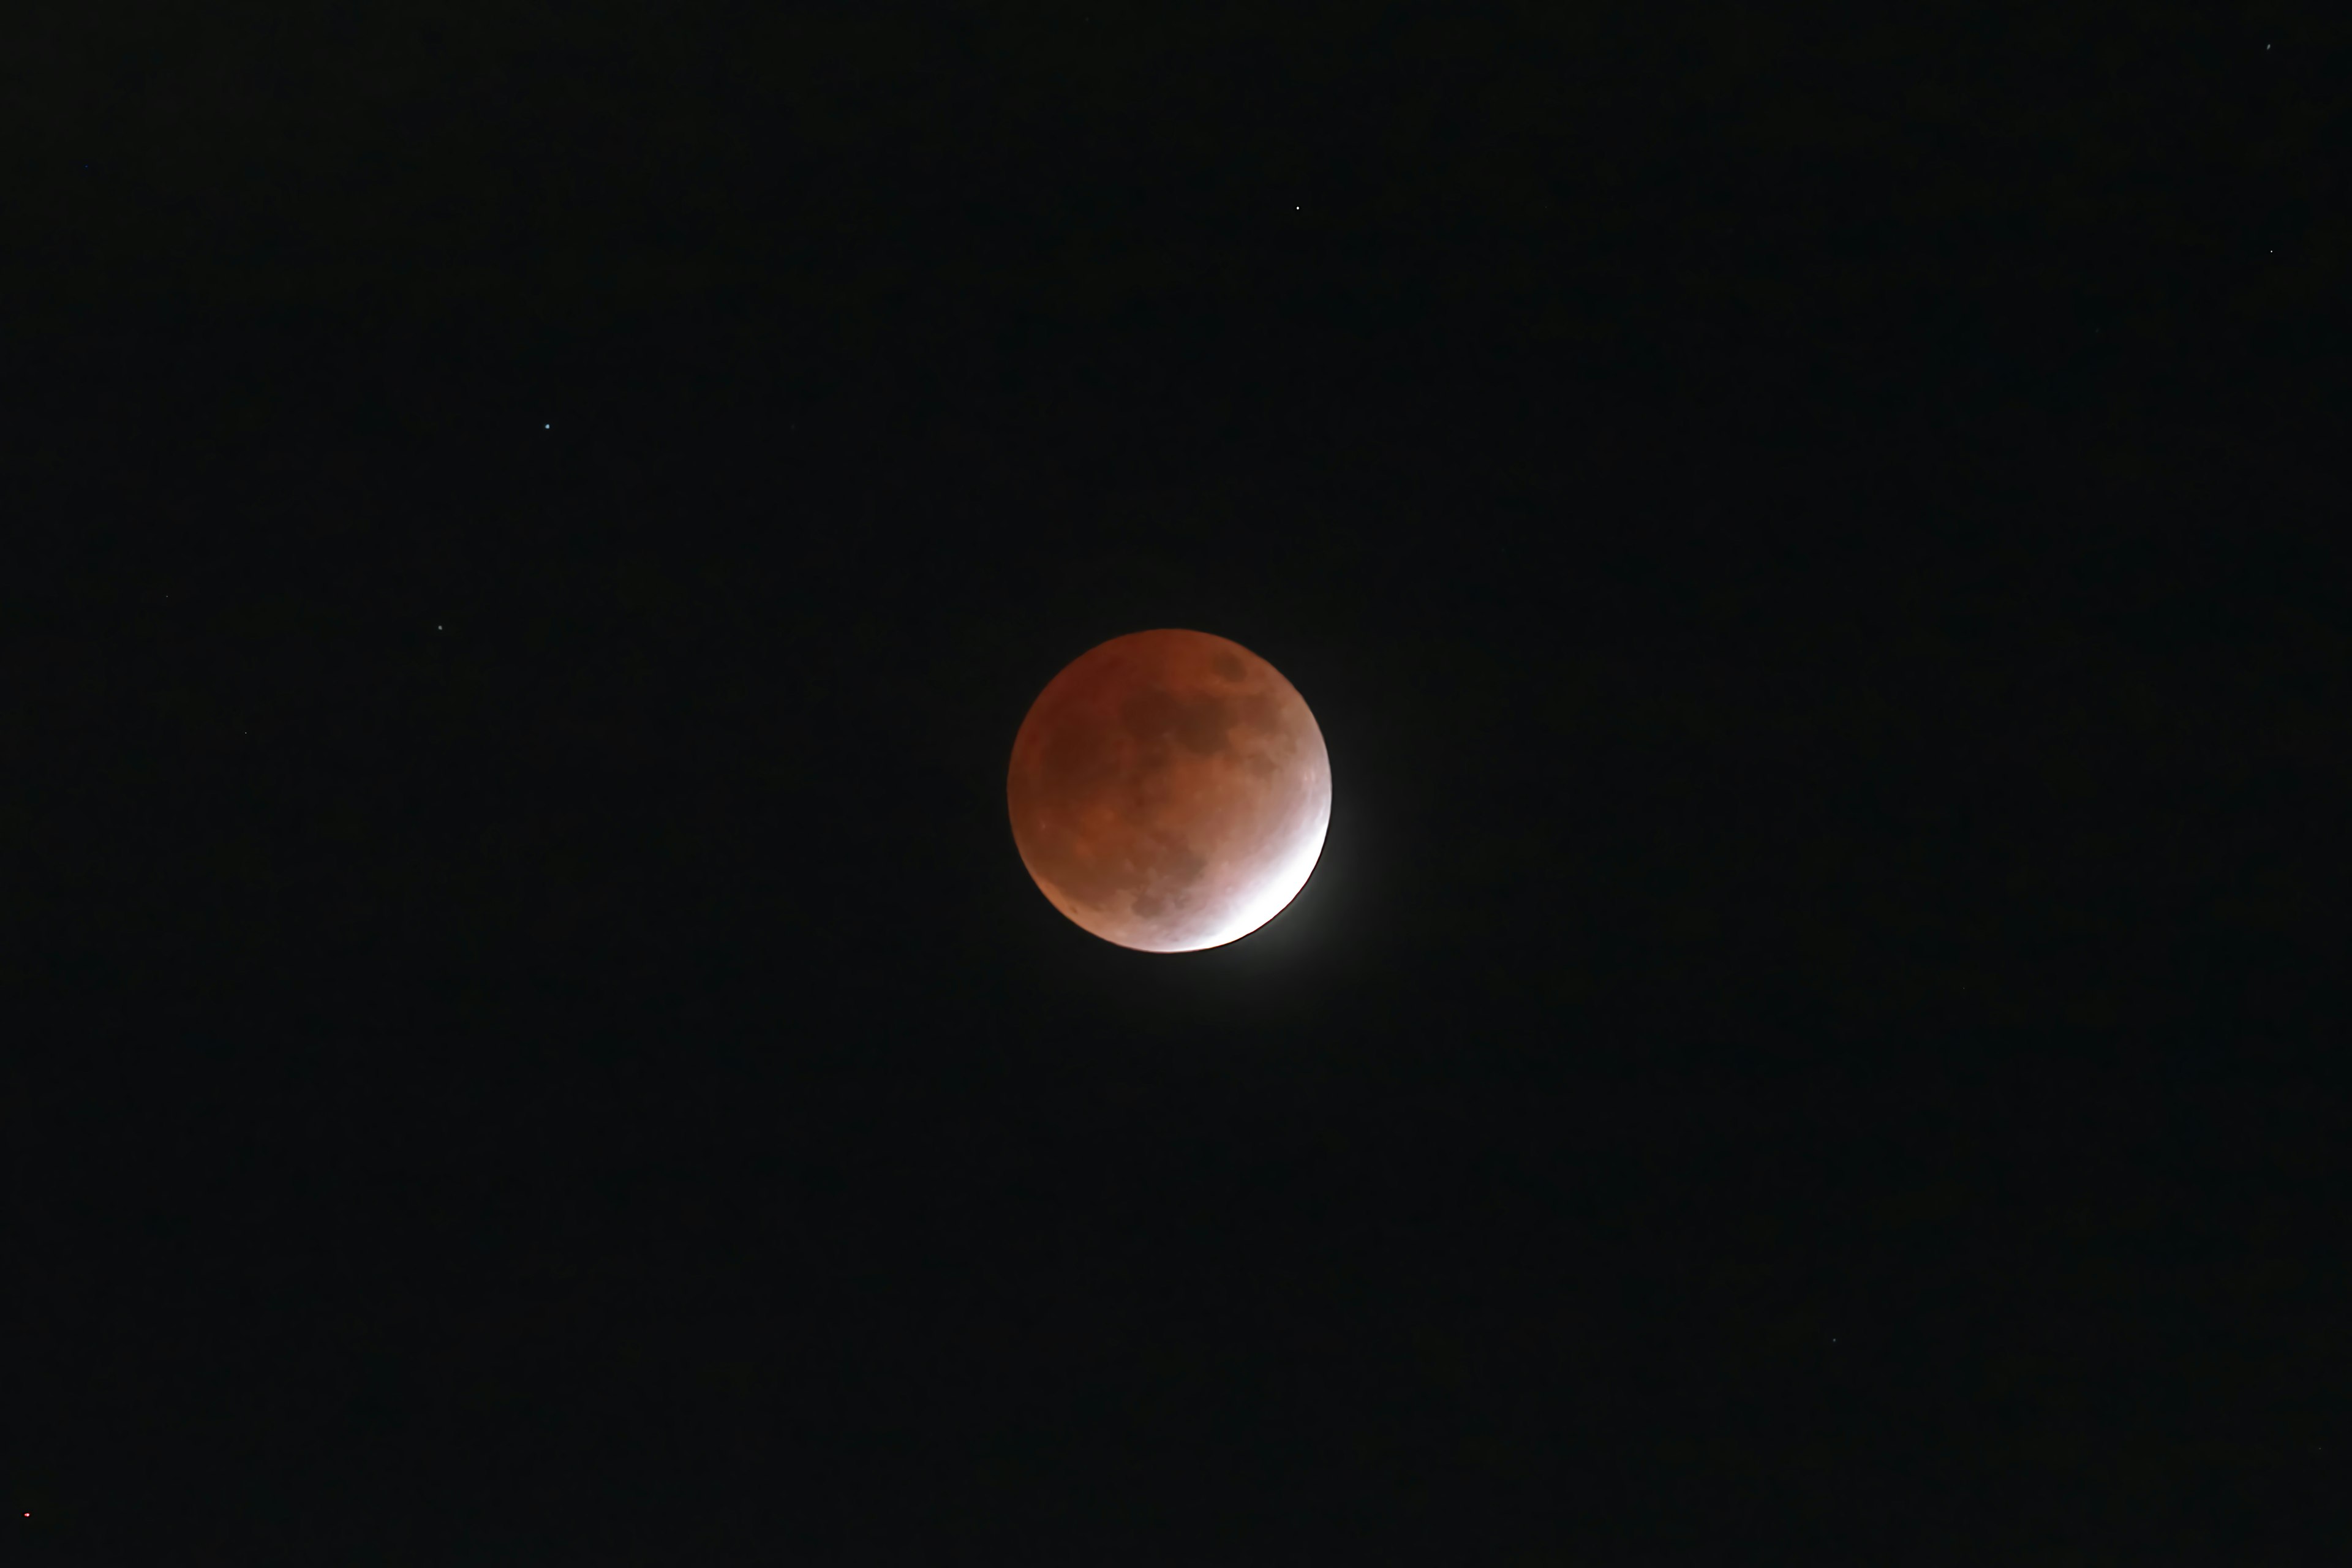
(1816, 545)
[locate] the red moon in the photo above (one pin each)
(1169, 791)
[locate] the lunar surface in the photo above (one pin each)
(1169, 791)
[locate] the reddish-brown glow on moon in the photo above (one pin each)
(1169, 791)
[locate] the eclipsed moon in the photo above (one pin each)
(1169, 791)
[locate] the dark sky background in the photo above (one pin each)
(1816, 542)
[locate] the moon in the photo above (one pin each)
(1169, 791)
